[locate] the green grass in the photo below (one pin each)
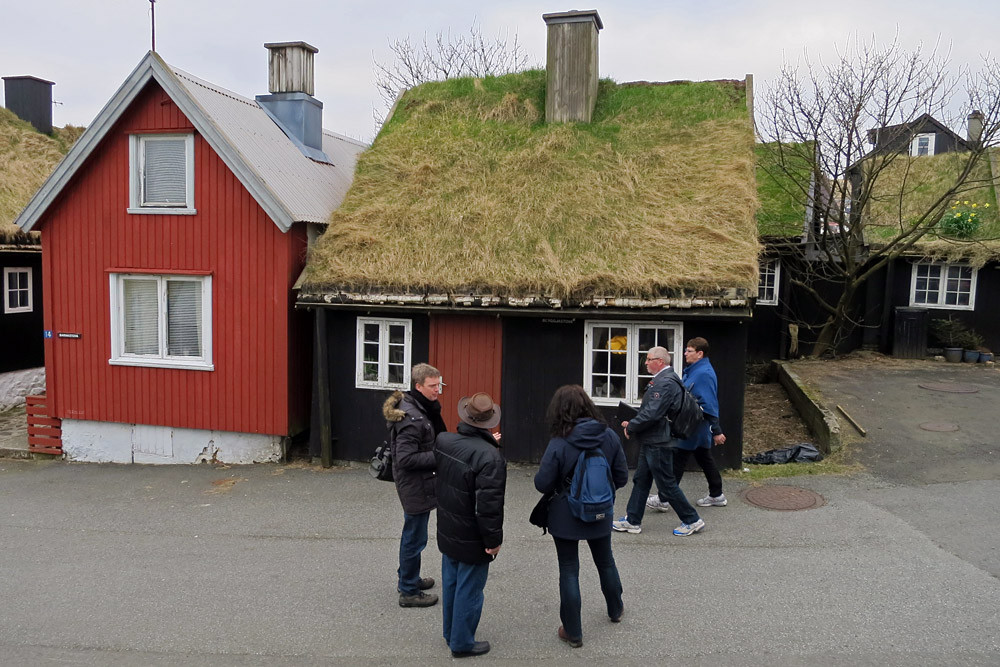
(466, 188)
(783, 177)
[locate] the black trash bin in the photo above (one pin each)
(909, 337)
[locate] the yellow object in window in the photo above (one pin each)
(618, 344)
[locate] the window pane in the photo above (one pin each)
(397, 334)
(397, 354)
(396, 373)
(370, 371)
(599, 361)
(164, 177)
(371, 352)
(184, 318)
(371, 332)
(140, 311)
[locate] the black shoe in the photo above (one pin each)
(425, 583)
(478, 648)
(618, 618)
(419, 599)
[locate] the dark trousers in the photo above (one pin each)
(656, 462)
(412, 542)
(568, 553)
(703, 455)
(462, 587)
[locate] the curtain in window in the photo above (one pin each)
(183, 318)
(141, 335)
(164, 167)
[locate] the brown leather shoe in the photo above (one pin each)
(425, 583)
(419, 599)
(575, 643)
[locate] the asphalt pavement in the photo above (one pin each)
(295, 565)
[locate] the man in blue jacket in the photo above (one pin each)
(651, 428)
(700, 379)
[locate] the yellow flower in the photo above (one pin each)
(975, 205)
(955, 203)
(972, 215)
(986, 205)
(966, 202)
(954, 207)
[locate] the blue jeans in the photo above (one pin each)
(657, 462)
(412, 542)
(568, 552)
(462, 587)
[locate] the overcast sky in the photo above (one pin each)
(88, 47)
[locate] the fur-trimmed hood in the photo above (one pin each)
(390, 409)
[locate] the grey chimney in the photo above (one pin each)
(30, 98)
(571, 65)
(291, 103)
(975, 127)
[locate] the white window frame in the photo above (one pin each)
(944, 270)
(915, 143)
(633, 369)
(8, 288)
(160, 360)
(136, 160)
(769, 271)
(383, 353)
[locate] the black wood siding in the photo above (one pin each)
(21, 333)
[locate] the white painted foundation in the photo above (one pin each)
(110, 442)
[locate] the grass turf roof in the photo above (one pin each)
(27, 157)
(911, 185)
(784, 172)
(467, 189)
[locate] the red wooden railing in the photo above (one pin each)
(44, 432)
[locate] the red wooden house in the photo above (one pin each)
(172, 235)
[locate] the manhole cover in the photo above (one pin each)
(939, 427)
(785, 498)
(950, 387)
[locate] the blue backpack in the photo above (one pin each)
(591, 494)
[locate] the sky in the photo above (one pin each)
(88, 47)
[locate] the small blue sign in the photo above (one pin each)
(47, 333)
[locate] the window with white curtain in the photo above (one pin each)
(161, 320)
(383, 353)
(767, 285)
(162, 173)
(922, 144)
(17, 289)
(615, 357)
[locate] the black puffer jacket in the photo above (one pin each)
(412, 452)
(471, 483)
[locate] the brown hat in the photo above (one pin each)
(479, 410)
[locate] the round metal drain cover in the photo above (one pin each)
(784, 498)
(950, 387)
(939, 427)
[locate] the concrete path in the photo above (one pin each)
(286, 565)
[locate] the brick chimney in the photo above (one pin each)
(30, 98)
(571, 65)
(291, 103)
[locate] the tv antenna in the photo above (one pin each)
(152, 23)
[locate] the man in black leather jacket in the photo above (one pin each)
(471, 484)
(651, 429)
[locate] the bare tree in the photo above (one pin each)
(444, 57)
(818, 127)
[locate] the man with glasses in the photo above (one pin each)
(651, 428)
(700, 379)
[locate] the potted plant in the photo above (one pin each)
(971, 342)
(949, 333)
(985, 354)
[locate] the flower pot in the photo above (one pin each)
(953, 354)
(971, 356)
(985, 356)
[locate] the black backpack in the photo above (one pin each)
(689, 415)
(380, 466)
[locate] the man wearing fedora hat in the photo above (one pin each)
(470, 485)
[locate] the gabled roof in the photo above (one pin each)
(467, 190)
(288, 186)
(914, 127)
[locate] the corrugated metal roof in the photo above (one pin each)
(309, 190)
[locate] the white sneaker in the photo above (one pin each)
(709, 501)
(689, 528)
(654, 503)
(623, 526)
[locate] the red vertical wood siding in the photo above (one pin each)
(468, 351)
(253, 266)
